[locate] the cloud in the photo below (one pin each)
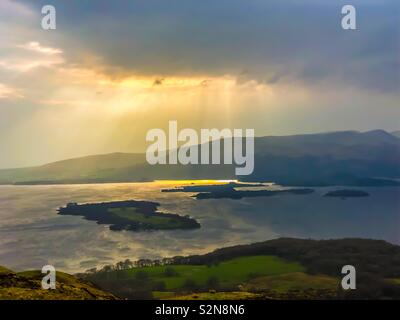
(19, 53)
(280, 67)
(33, 55)
(35, 46)
(7, 92)
(273, 42)
(24, 65)
(12, 9)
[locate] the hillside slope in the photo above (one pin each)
(90, 168)
(285, 268)
(339, 158)
(27, 286)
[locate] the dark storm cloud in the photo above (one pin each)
(270, 41)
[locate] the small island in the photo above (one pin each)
(213, 187)
(129, 215)
(232, 190)
(347, 193)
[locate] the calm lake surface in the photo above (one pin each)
(33, 235)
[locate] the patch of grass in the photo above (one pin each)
(61, 277)
(291, 281)
(394, 281)
(229, 273)
(27, 286)
(4, 270)
(163, 294)
(234, 295)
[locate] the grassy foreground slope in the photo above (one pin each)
(283, 268)
(27, 286)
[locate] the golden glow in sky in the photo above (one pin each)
(103, 78)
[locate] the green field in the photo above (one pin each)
(158, 221)
(395, 281)
(291, 281)
(229, 273)
(132, 214)
(234, 295)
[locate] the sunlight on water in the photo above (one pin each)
(32, 234)
(196, 182)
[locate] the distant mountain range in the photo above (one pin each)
(396, 133)
(340, 158)
(334, 158)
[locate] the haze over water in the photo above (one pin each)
(32, 234)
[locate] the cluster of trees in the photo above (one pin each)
(129, 264)
(141, 285)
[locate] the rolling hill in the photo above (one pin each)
(343, 158)
(89, 168)
(284, 268)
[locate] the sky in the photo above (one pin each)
(112, 70)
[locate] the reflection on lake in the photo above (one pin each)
(32, 234)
